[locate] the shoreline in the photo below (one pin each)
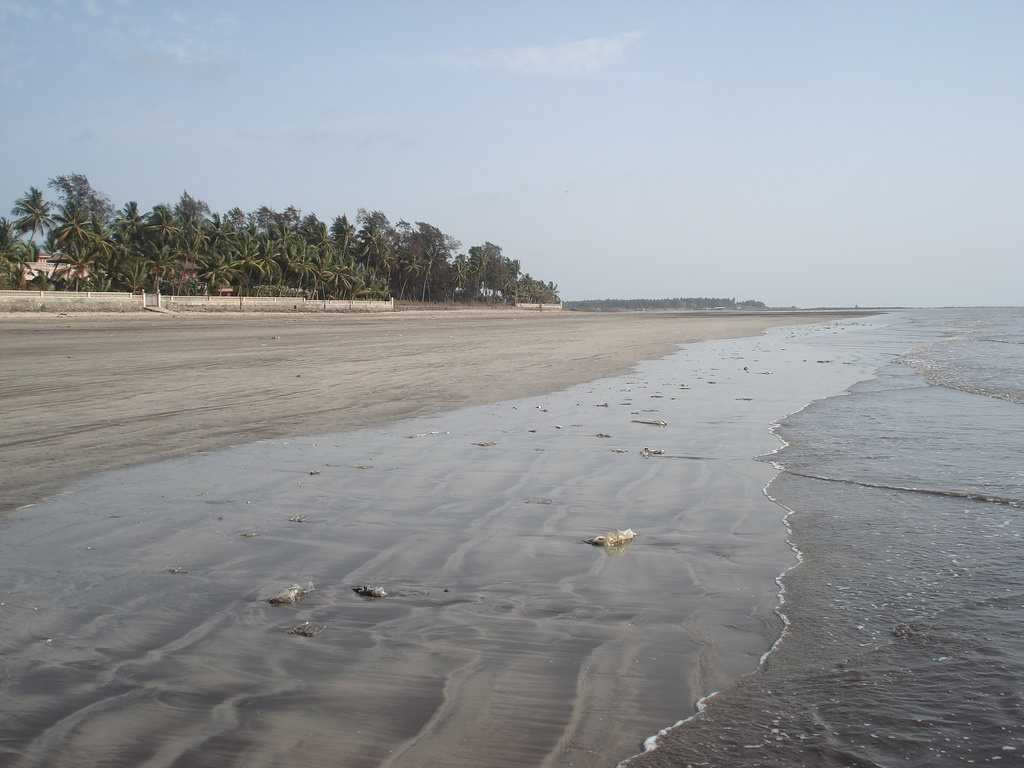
(95, 392)
(540, 639)
(653, 742)
(875, 609)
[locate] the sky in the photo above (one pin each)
(799, 153)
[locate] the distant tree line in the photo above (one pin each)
(691, 303)
(186, 248)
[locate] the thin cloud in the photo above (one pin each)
(187, 57)
(576, 57)
(15, 10)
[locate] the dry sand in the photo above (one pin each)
(93, 392)
(134, 623)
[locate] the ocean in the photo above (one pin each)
(903, 643)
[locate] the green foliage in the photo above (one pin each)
(74, 189)
(186, 248)
(32, 212)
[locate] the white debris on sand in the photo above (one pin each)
(613, 538)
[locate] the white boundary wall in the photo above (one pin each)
(271, 304)
(539, 307)
(108, 301)
(87, 301)
(69, 295)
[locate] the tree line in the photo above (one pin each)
(187, 249)
(689, 303)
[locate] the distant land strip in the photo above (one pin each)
(692, 303)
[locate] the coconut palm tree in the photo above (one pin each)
(71, 227)
(105, 247)
(243, 254)
(162, 223)
(8, 240)
(134, 275)
(161, 265)
(78, 265)
(8, 235)
(261, 252)
(14, 255)
(33, 213)
(339, 279)
(265, 264)
(303, 265)
(217, 271)
(191, 248)
(129, 223)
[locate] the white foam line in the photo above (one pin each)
(651, 742)
(780, 580)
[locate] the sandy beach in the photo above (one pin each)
(456, 462)
(92, 392)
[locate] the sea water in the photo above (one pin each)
(905, 637)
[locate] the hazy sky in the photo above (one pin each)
(796, 152)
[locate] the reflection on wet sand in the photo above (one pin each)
(503, 639)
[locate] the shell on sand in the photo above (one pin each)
(613, 538)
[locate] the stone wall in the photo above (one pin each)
(540, 307)
(270, 304)
(68, 301)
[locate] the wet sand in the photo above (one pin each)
(505, 640)
(80, 394)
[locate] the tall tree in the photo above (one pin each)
(190, 211)
(75, 189)
(72, 229)
(33, 213)
(186, 248)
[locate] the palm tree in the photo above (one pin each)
(264, 251)
(33, 213)
(8, 235)
(72, 229)
(304, 265)
(134, 276)
(162, 223)
(244, 252)
(105, 246)
(218, 271)
(14, 255)
(192, 247)
(161, 265)
(462, 270)
(78, 265)
(8, 263)
(265, 264)
(412, 269)
(340, 278)
(222, 233)
(129, 224)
